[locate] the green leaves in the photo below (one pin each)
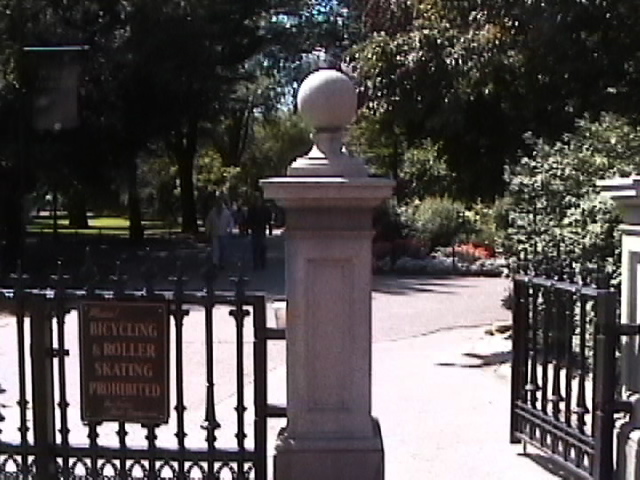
(555, 203)
(436, 220)
(474, 76)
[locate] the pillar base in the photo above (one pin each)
(335, 459)
(628, 459)
(627, 439)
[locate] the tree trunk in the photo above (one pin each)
(187, 193)
(11, 229)
(77, 209)
(184, 148)
(136, 232)
(395, 170)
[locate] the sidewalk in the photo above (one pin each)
(443, 405)
(442, 398)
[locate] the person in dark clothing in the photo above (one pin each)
(258, 218)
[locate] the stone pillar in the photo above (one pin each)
(625, 192)
(329, 199)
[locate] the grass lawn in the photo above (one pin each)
(107, 225)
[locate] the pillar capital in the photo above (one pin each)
(328, 192)
(625, 192)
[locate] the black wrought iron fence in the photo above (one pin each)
(564, 375)
(51, 434)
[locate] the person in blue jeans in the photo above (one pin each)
(218, 226)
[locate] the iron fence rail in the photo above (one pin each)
(564, 372)
(45, 448)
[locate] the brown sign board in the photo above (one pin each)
(124, 362)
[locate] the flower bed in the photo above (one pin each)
(467, 259)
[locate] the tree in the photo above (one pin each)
(475, 76)
(278, 140)
(35, 157)
(195, 56)
(158, 71)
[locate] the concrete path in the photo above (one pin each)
(444, 410)
(440, 386)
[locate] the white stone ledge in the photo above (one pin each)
(318, 192)
(621, 188)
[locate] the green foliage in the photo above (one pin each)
(420, 170)
(424, 172)
(487, 223)
(158, 188)
(555, 203)
(435, 220)
(213, 175)
(381, 144)
(387, 222)
(434, 81)
(473, 77)
(277, 140)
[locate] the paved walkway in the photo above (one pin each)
(440, 384)
(443, 404)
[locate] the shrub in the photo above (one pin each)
(381, 249)
(424, 172)
(555, 205)
(437, 221)
(410, 247)
(488, 223)
(474, 251)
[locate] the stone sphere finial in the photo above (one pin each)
(327, 100)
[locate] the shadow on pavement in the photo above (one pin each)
(488, 360)
(549, 464)
(404, 285)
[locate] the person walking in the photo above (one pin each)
(225, 228)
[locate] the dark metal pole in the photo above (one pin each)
(42, 387)
(519, 352)
(22, 160)
(260, 387)
(239, 313)
(605, 384)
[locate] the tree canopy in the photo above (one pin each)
(474, 76)
(449, 89)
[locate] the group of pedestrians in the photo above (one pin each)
(223, 221)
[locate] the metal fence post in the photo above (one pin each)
(519, 352)
(260, 386)
(42, 388)
(605, 384)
